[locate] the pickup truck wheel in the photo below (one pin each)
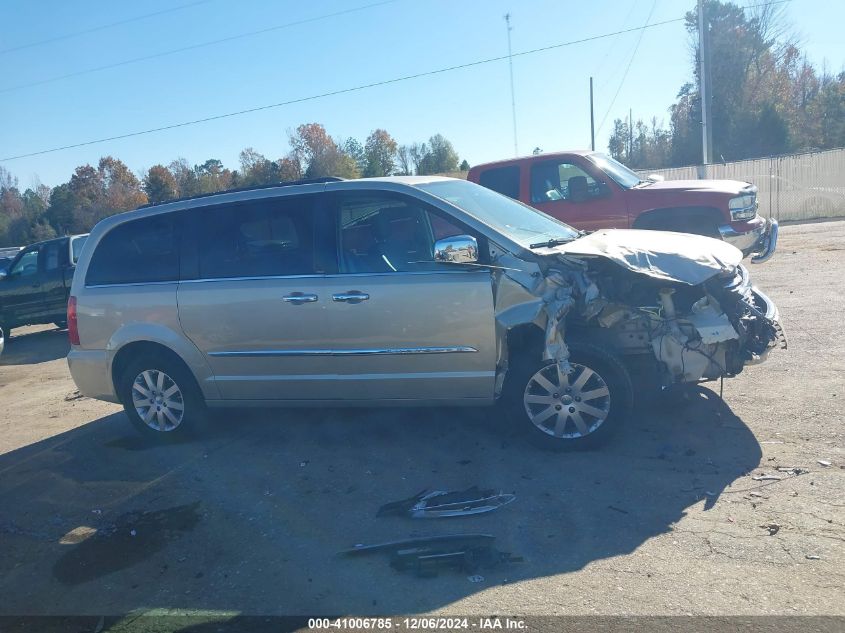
(161, 398)
(577, 411)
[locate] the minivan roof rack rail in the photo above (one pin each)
(287, 183)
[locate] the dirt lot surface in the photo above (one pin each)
(667, 519)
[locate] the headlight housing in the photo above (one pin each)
(744, 207)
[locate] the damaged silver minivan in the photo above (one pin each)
(400, 291)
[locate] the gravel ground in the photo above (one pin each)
(666, 520)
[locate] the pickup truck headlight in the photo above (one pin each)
(743, 207)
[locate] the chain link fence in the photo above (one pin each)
(793, 187)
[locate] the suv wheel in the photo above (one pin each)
(570, 412)
(160, 397)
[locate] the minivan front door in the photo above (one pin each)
(254, 303)
(403, 327)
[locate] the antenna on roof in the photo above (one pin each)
(513, 96)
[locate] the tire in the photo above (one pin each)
(587, 423)
(159, 374)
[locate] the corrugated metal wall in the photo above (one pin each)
(794, 187)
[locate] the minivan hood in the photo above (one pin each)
(681, 257)
(728, 187)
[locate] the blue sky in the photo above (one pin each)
(471, 107)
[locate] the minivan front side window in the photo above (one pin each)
(381, 234)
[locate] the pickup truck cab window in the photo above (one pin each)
(553, 180)
(503, 180)
(27, 265)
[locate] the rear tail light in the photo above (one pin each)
(72, 323)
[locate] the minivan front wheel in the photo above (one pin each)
(575, 410)
(160, 397)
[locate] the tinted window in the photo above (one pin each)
(552, 181)
(380, 234)
(261, 239)
(51, 255)
(27, 265)
(76, 245)
(138, 251)
(505, 180)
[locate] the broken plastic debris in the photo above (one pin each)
(813, 557)
(133, 532)
(427, 555)
(438, 504)
(475, 578)
(823, 462)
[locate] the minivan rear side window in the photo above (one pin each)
(139, 251)
(504, 180)
(265, 238)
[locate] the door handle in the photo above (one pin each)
(296, 298)
(353, 296)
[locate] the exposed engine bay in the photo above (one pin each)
(691, 306)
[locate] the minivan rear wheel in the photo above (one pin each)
(574, 411)
(160, 397)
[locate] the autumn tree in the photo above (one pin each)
(380, 150)
(318, 154)
(159, 184)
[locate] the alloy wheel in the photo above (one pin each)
(567, 406)
(158, 400)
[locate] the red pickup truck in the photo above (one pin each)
(591, 191)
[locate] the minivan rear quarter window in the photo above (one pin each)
(504, 180)
(139, 251)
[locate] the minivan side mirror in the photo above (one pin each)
(458, 249)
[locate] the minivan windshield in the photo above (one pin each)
(511, 218)
(616, 170)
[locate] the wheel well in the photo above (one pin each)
(133, 350)
(678, 217)
(526, 340)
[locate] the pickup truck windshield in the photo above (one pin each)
(616, 170)
(511, 218)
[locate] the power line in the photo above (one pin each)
(341, 91)
(102, 27)
(628, 67)
(183, 49)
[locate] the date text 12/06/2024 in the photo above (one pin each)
(417, 624)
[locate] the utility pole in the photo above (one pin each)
(592, 120)
(704, 85)
(513, 97)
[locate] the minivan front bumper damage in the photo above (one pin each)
(689, 306)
